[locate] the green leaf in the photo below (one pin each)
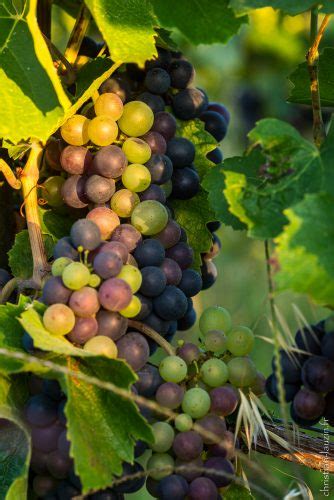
(300, 79)
(290, 7)
(305, 249)
(164, 39)
(193, 217)
(102, 427)
(208, 21)
(214, 184)
(26, 67)
(55, 224)
(327, 155)
(295, 168)
(238, 492)
(89, 72)
(203, 141)
(20, 256)
(127, 27)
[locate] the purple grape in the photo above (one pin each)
(73, 191)
(318, 374)
(128, 235)
(133, 347)
(308, 405)
(213, 424)
(46, 438)
(117, 248)
(224, 468)
(76, 159)
(189, 468)
(172, 271)
(170, 395)
(110, 162)
(225, 448)
(98, 189)
(84, 329)
(115, 294)
(161, 168)
(85, 234)
(156, 141)
(58, 465)
(202, 487)
(181, 73)
(157, 324)
(38, 461)
(153, 192)
(188, 445)
(107, 264)
(224, 400)
(84, 302)
(165, 124)
(155, 102)
(52, 389)
(149, 381)
(63, 444)
(189, 103)
(146, 307)
(327, 346)
(173, 486)
(189, 352)
(221, 109)
(55, 292)
(64, 248)
(170, 235)
(111, 324)
(41, 411)
(44, 485)
(182, 253)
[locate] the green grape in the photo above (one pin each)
(59, 319)
(76, 275)
(215, 341)
(137, 119)
(101, 345)
(94, 280)
(109, 104)
(160, 461)
(75, 130)
(123, 202)
(163, 437)
(52, 191)
(215, 318)
(133, 309)
(59, 265)
(136, 177)
(214, 372)
(132, 276)
(168, 188)
(136, 150)
(196, 402)
(241, 372)
(102, 130)
(173, 369)
(240, 341)
(149, 217)
(183, 422)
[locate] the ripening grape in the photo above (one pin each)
(75, 130)
(105, 219)
(242, 372)
(240, 341)
(149, 217)
(73, 191)
(164, 124)
(213, 425)
(115, 294)
(76, 160)
(128, 235)
(215, 318)
(224, 400)
(101, 345)
(170, 235)
(188, 445)
(55, 292)
(52, 191)
(107, 264)
(172, 271)
(163, 434)
(137, 119)
(222, 465)
(133, 309)
(116, 247)
(136, 177)
(136, 150)
(153, 192)
(123, 202)
(215, 341)
(149, 381)
(98, 189)
(214, 372)
(84, 302)
(162, 461)
(59, 265)
(173, 369)
(109, 104)
(76, 275)
(58, 319)
(174, 486)
(110, 162)
(111, 324)
(169, 395)
(196, 402)
(102, 130)
(132, 276)
(189, 352)
(134, 348)
(156, 141)
(84, 329)
(183, 422)
(86, 234)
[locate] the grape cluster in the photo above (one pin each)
(52, 475)
(308, 375)
(201, 385)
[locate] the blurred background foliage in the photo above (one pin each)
(250, 76)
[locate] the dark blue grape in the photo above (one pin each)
(41, 410)
(164, 124)
(181, 151)
(149, 380)
(162, 61)
(140, 448)
(28, 343)
(107, 264)
(146, 307)
(181, 74)
(155, 102)
(224, 468)
(209, 274)
(157, 324)
(149, 253)
(290, 389)
(171, 304)
(55, 292)
(153, 192)
(327, 345)
(154, 281)
(216, 156)
(187, 321)
(215, 124)
(191, 282)
(52, 389)
(308, 339)
(161, 168)
(214, 226)
(186, 183)
(291, 366)
(4, 277)
(157, 81)
(85, 234)
(64, 248)
(132, 485)
(221, 109)
(189, 103)
(173, 486)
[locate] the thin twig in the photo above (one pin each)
(77, 35)
(312, 59)
(7, 290)
(146, 330)
(9, 175)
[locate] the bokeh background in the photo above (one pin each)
(250, 76)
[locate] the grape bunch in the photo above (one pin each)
(200, 384)
(52, 475)
(308, 375)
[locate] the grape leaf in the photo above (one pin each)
(193, 215)
(20, 256)
(295, 168)
(327, 155)
(127, 27)
(214, 184)
(89, 72)
(305, 249)
(102, 427)
(238, 492)
(208, 21)
(294, 7)
(300, 79)
(34, 97)
(203, 141)
(55, 224)
(15, 448)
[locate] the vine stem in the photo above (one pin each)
(29, 180)
(7, 290)
(9, 175)
(44, 16)
(312, 58)
(146, 330)
(77, 35)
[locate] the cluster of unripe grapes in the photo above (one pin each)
(308, 375)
